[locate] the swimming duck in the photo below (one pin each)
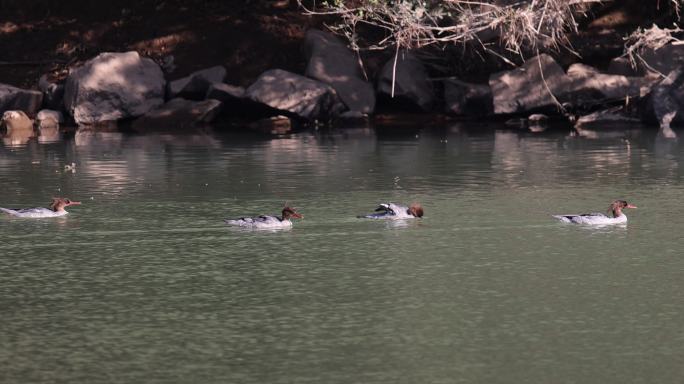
(615, 212)
(267, 222)
(395, 211)
(56, 209)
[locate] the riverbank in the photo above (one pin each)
(270, 67)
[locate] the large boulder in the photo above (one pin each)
(664, 59)
(666, 101)
(584, 79)
(468, 99)
(236, 103)
(113, 86)
(195, 85)
(528, 87)
(331, 62)
(295, 94)
(13, 98)
(179, 114)
(410, 79)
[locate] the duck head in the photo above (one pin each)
(415, 210)
(59, 203)
(618, 205)
(289, 213)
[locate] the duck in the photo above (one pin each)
(267, 222)
(395, 211)
(56, 209)
(615, 215)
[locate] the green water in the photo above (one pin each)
(144, 284)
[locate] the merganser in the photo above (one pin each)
(395, 211)
(615, 210)
(56, 209)
(267, 222)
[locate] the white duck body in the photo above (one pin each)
(33, 213)
(592, 219)
(599, 218)
(391, 211)
(260, 222)
(266, 222)
(56, 209)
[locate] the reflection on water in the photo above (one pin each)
(144, 282)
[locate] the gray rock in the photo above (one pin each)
(411, 81)
(13, 98)
(53, 93)
(584, 79)
(665, 101)
(113, 86)
(298, 95)
(463, 98)
(195, 85)
(664, 59)
(236, 103)
(179, 114)
(524, 89)
(331, 62)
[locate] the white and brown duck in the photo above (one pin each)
(395, 211)
(615, 215)
(56, 209)
(267, 222)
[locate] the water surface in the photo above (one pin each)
(144, 283)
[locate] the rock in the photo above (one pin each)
(607, 118)
(13, 98)
(664, 59)
(48, 115)
(179, 114)
(236, 103)
(524, 89)
(16, 121)
(275, 125)
(298, 95)
(195, 85)
(411, 81)
(463, 98)
(586, 80)
(665, 101)
(622, 66)
(113, 86)
(331, 62)
(53, 93)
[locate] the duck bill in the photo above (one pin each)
(631, 206)
(297, 216)
(74, 203)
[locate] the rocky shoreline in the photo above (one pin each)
(125, 89)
